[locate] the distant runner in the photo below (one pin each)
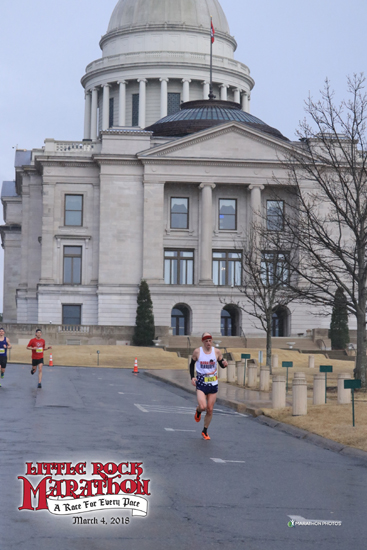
(37, 345)
(4, 346)
(205, 361)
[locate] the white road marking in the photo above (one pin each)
(172, 430)
(140, 407)
(221, 461)
(121, 393)
(171, 409)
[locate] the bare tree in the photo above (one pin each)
(328, 222)
(267, 268)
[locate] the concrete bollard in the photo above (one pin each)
(189, 361)
(231, 372)
(311, 361)
(299, 396)
(274, 361)
(278, 392)
(319, 389)
(344, 396)
(222, 374)
(240, 367)
(264, 378)
(300, 375)
(252, 376)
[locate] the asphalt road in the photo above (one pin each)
(237, 491)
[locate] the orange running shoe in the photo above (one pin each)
(205, 436)
(197, 416)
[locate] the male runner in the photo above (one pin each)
(205, 360)
(4, 346)
(37, 345)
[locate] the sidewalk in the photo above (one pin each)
(251, 402)
(241, 399)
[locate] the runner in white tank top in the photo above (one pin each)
(204, 361)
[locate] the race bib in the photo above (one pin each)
(2, 351)
(210, 378)
(39, 350)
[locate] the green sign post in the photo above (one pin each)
(326, 369)
(245, 356)
(352, 385)
(287, 365)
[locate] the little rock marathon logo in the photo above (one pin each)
(67, 489)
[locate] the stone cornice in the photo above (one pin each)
(117, 160)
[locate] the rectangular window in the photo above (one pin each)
(72, 265)
(227, 214)
(227, 268)
(71, 315)
(274, 268)
(111, 114)
(179, 213)
(179, 267)
(73, 210)
(135, 110)
(275, 215)
(173, 103)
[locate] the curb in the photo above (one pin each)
(258, 414)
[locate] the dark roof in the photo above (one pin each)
(195, 116)
(8, 189)
(22, 158)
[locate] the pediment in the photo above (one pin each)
(231, 141)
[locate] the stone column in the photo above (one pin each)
(153, 219)
(142, 101)
(245, 102)
(264, 378)
(206, 216)
(311, 361)
(237, 95)
(87, 115)
(206, 89)
(164, 96)
(252, 376)
(274, 361)
(122, 102)
(186, 89)
(299, 397)
(278, 392)
(240, 366)
(223, 92)
(94, 107)
(319, 389)
(231, 372)
(256, 211)
(344, 396)
(106, 107)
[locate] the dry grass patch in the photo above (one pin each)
(110, 356)
(331, 421)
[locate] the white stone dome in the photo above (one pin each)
(191, 13)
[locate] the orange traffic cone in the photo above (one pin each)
(50, 364)
(135, 371)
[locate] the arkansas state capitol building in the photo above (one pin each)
(162, 187)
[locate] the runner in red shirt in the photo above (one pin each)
(37, 345)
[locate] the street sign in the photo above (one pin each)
(326, 369)
(352, 385)
(287, 365)
(245, 356)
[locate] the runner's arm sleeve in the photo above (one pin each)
(192, 368)
(220, 361)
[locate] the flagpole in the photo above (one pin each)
(211, 95)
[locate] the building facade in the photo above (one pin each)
(164, 185)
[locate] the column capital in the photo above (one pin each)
(142, 80)
(107, 85)
(245, 92)
(256, 186)
(223, 86)
(205, 82)
(186, 80)
(164, 80)
(207, 184)
(122, 82)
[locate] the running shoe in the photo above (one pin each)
(33, 371)
(39, 385)
(197, 416)
(2, 375)
(205, 436)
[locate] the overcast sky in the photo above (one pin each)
(290, 46)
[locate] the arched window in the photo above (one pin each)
(229, 321)
(180, 320)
